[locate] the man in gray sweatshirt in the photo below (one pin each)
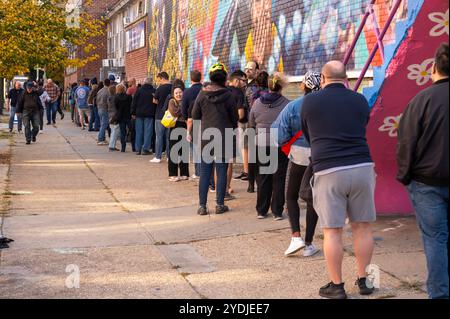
(102, 104)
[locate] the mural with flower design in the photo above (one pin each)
(406, 72)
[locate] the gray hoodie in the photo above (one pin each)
(102, 99)
(264, 112)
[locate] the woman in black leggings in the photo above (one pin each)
(296, 173)
(289, 132)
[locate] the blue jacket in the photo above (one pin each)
(289, 124)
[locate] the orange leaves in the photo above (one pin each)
(37, 33)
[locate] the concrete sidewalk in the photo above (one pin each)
(72, 205)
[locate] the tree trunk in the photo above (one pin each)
(2, 96)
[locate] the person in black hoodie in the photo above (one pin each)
(143, 110)
(122, 101)
(28, 107)
(423, 161)
(216, 108)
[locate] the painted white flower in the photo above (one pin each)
(391, 124)
(442, 25)
(421, 73)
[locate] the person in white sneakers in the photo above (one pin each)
(289, 129)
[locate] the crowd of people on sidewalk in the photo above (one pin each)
(313, 148)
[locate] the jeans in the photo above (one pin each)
(104, 123)
(94, 122)
(51, 109)
(271, 187)
(162, 136)
(31, 119)
(115, 131)
(431, 205)
(206, 173)
(144, 133)
(11, 120)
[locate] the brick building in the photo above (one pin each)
(128, 50)
(98, 10)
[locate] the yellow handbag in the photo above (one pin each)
(169, 121)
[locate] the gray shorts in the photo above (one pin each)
(345, 193)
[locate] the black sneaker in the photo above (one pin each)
(34, 139)
(229, 197)
(138, 153)
(363, 289)
(202, 211)
(222, 209)
(251, 189)
(62, 116)
(332, 291)
(245, 178)
(240, 176)
(28, 142)
(10, 130)
(146, 153)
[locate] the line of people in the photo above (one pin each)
(313, 148)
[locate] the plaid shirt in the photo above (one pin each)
(52, 90)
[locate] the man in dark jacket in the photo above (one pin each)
(13, 97)
(162, 133)
(28, 107)
(189, 97)
(334, 122)
(423, 160)
(143, 110)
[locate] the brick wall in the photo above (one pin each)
(136, 62)
(92, 69)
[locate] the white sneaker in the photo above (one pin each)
(174, 179)
(297, 244)
(310, 251)
(155, 161)
(195, 177)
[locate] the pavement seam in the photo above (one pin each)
(107, 188)
(404, 282)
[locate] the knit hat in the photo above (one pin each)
(312, 81)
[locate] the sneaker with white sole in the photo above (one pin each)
(296, 245)
(174, 179)
(310, 251)
(155, 161)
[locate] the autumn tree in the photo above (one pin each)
(42, 33)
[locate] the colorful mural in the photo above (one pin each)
(294, 36)
(291, 36)
(405, 72)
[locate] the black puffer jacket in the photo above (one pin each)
(143, 105)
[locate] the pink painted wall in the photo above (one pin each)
(407, 74)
